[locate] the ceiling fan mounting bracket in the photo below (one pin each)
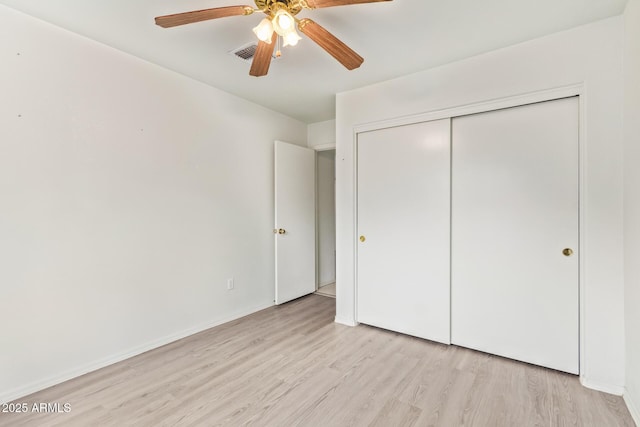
(270, 7)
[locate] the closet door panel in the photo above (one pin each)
(403, 229)
(514, 210)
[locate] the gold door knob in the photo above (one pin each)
(567, 252)
(281, 231)
(362, 238)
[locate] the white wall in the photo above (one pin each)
(321, 133)
(632, 204)
(128, 195)
(326, 161)
(591, 55)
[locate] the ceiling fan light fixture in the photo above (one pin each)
(264, 30)
(279, 26)
(283, 22)
(291, 38)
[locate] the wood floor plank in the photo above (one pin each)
(291, 365)
(396, 413)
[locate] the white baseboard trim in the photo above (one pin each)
(631, 405)
(11, 395)
(344, 321)
(618, 390)
(330, 282)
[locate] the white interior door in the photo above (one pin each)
(403, 218)
(294, 221)
(514, 211)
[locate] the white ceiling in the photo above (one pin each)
(395, 38)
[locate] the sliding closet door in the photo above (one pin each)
(403, 229)
(515, 233)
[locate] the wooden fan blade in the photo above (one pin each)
(202, 15)
(316, 4)
(262, 58)
(340, 51)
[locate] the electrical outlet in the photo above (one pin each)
(230, 284)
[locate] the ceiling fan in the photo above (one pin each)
(280, 21)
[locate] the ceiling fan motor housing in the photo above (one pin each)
(271, 6)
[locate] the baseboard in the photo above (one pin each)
(618, 390)
(344, 321)
(330, 282)
(631, 405)
(11, 395)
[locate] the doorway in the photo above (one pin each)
(326, 222)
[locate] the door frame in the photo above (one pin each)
(483, 107)
(317, 149)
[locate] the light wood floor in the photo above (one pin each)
(327, 290)
(293, 366)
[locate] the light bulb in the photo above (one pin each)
(264, 30)
(291, 38)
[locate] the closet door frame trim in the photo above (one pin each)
(483, 107)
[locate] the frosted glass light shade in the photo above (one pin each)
(283, 22)
(291, 38)
(264, 30)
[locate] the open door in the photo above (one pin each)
(294, 230)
